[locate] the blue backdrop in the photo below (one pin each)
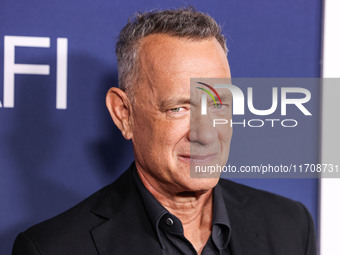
(50, 159)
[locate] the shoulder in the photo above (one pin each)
(71, 230)
(285, 225)
(279, 215)
(260, 200)
(73, 217)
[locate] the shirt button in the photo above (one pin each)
(169, 222)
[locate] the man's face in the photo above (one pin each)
(160, 120)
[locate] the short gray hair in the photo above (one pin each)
(183, 23)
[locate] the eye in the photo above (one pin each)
(178, 109)
(218, 106)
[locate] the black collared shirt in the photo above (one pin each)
(169, 228)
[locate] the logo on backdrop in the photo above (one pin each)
(11, 68)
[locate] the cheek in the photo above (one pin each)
(143, 133)
(158, 135)
(171, 133)
(171, 140)
(225, 134)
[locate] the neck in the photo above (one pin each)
(189, 206)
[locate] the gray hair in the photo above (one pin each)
(183, 23)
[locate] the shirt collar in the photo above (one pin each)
(220, 214)
(221, 230)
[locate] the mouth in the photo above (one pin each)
(198, 159)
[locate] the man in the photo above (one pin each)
(155, 207)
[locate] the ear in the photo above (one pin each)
(119, 107)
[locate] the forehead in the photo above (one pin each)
(168, 55)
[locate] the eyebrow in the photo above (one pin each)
(174, 101)
(225, 97)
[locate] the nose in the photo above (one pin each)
(202, 130)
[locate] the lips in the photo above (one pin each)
(198, 159)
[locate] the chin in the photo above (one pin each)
(190, 181)
(201, 184)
